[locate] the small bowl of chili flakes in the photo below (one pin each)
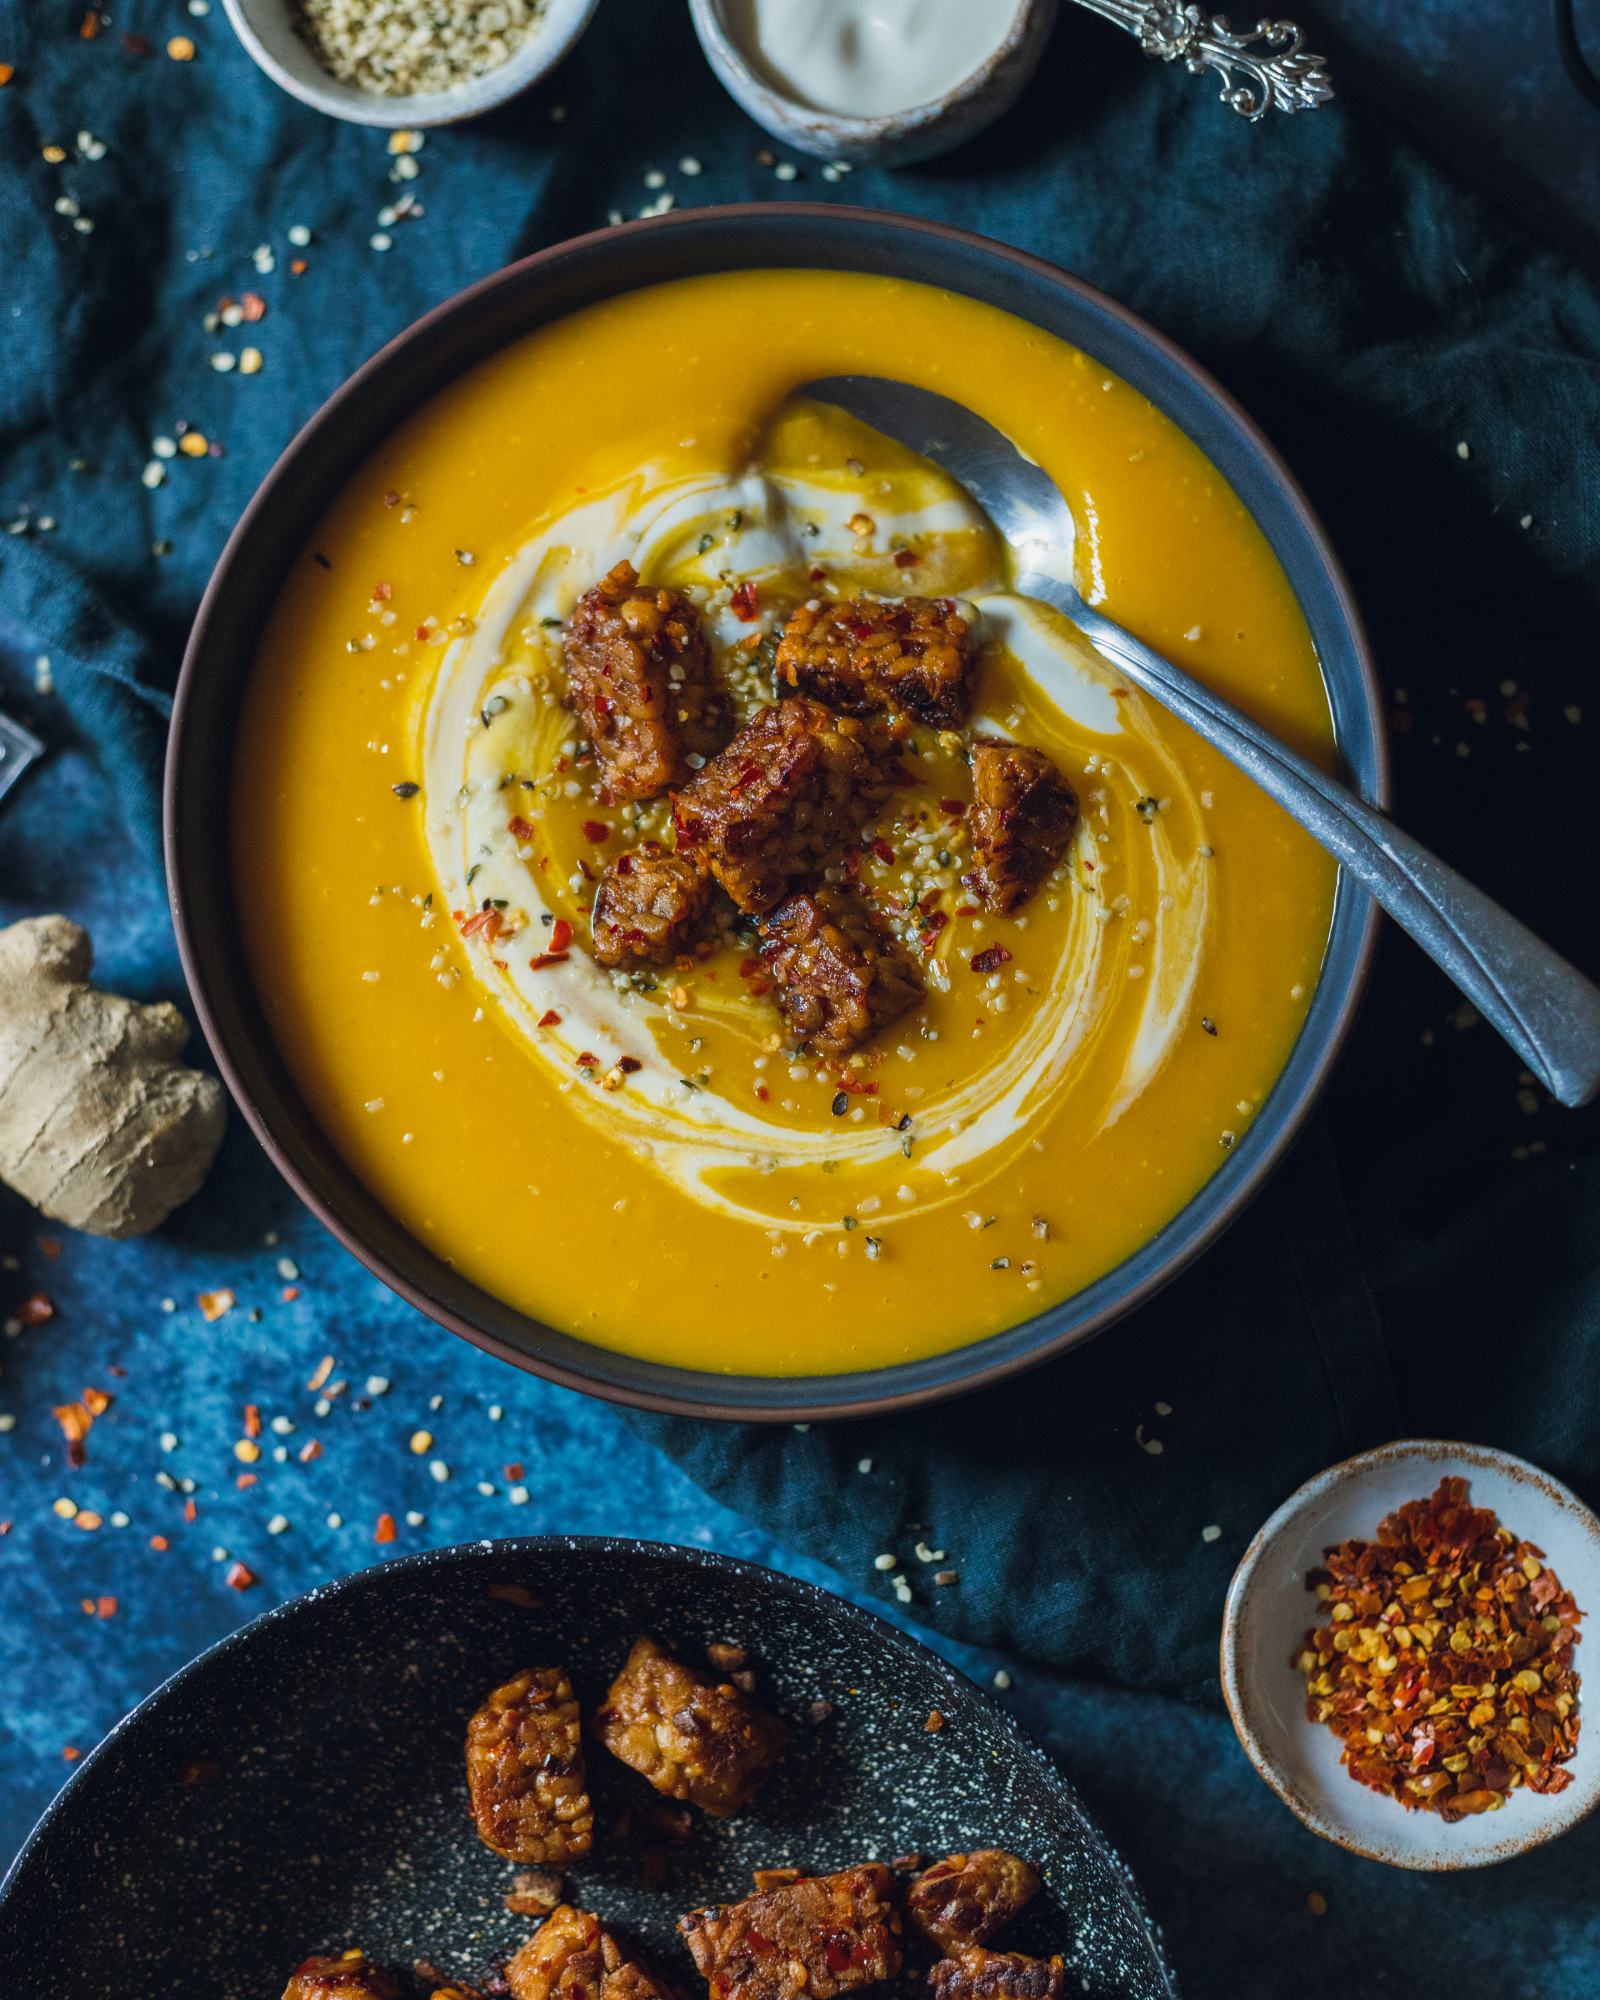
(1402, 1655)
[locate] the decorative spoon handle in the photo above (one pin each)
(1276, 71)
(1542, 1005)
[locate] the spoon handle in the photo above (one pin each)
(1542, 1005)
(1273, 67)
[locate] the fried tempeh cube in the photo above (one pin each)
(968, 1899)
(573, 1956)
(693, 1738)
(815, 1938)
(793, 785)
(566, 1955)
(976, 1974)
(340, 1975)
(648, 906)
(525, 1772)
(642, 683)
(1023, 813)
(864, 653)
(839, 974)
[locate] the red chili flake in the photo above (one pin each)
(241, 1577)
(849, 1081)
(587, 1061)
(518, 828)
(252, 1420)
(929, 902)
(254, 307)
(549, 1018)
(288, 1295)
(245, 1481)
(1485, 1700)
(954, 807)
(514, 1472)
(883, 850)
(105, 1607)
(629, 1065)
(90, 26)
(935, 1721)
(311, 1449)
(50, 1246)
(906, 558)
(87, 1519)
(745, 602)
(762, 1092)
(560, 934)
(489, 922)
(382, 592)
(213, 1305)
(991, 959)
(71, 1752)
(34, 1310)
(190, 1511)
(544, 959)
(160, 1543)
(817, 575)
(934, 924)
(966, 909)
(386, 1530)
(298, 268)
(424, 634)
(597, 831)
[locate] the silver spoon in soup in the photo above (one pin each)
(1543, 1006)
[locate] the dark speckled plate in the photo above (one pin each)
(300, 1786)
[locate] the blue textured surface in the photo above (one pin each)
(1225, 1868)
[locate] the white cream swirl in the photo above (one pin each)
(494, 731)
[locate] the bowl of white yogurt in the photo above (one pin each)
(885, 80)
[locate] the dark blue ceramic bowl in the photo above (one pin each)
(386, 391)
(301, 1788)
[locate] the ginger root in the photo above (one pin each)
(101, 1127)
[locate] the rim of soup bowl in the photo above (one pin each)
(317, 464)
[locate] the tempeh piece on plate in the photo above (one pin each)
(807, 1940)
(692, 1737)
(976, 1974)
(340, 1975)
(573, 1956)
(970, 1898)
(525, 1772)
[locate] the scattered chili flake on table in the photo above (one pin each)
(1446, 1663)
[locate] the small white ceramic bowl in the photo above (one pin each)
(902, 136)
(1269, 1611)
(268, 33)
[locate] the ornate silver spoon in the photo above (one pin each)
(1543, 1006)
(1264, 68)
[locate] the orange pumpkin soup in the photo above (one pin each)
(646, 1156)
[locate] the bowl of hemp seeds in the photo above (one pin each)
(405, 63)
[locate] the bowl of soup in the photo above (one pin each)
(595, 845)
